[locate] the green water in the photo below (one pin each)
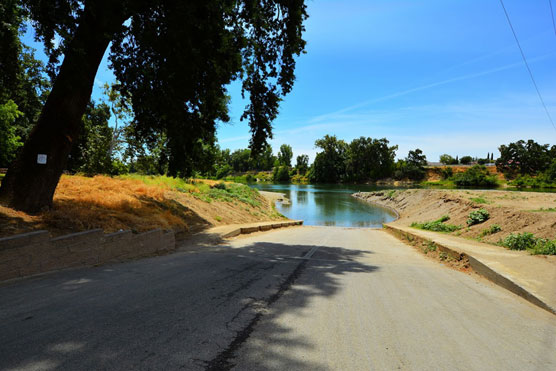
(330, 205)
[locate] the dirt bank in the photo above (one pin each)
(513, 211)
(82, 203)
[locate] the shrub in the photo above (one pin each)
(447, 173)
(544, 247)
(437, 225)
(476, 176)
(518, 241)
(281, 174)
(477, 217)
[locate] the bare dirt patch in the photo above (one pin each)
(512, 211)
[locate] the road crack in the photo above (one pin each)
(223, 360)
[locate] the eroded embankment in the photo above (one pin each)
(511, 211)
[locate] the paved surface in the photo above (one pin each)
(534, 273)
(299, 299)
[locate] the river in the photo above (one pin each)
(330, 205)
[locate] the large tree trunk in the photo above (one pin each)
(29, 185)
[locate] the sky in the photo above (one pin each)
(445, 76)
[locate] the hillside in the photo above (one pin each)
(141, 203)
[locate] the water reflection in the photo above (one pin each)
(329, 205)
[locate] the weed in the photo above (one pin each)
(480, 200)
(437, 225)
(542, 209)
(443, 256)
(495, 228)
(218, 218)
(391, 193)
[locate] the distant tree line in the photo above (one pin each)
(466, 160)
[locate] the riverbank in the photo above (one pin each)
(511, 212)
(141, 203)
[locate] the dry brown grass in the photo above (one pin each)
(82, 203)
(140, 204)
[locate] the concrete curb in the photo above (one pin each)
(478, 266)
(260, 228)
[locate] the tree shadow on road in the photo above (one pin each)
(186, 310)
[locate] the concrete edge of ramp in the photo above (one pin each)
(480, 267)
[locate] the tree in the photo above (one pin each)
(302, 164)
(447, 159)
(369, 158)
(285, 155)
(91, 154)
(23, 85)
(173, 60)
(329, 165)
(413, 167)
(264, 160)
(466, 160)
(524, 157)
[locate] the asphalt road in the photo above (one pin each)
(311, 298)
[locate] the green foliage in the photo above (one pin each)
(524, 158)
(330, 164)
(369, 159)
(448, 160)
(302, 164)
(543, 180)
(478, 216)
(466, 160)
(23, 85)
(9, 141)
(476, 176)
(495, 228)
(480, 200)
(447, 173)
(285, 155)
(281, 174)
(92, 154)
(519, 241)
(413, 167)
(437, 225)
(528, 241)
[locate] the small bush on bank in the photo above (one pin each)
(477, 217)
(437, 225)
(528, 241)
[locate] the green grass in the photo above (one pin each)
(162, 180)
(437, 225)
(543, 210)
(439, 183)
(227, 192)
(480, 200)
(495, 228)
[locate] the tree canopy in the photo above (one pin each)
(173, 61)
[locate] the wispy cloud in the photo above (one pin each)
(427, 86)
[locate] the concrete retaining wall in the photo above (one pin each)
(34, 252)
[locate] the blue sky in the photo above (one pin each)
(445, 76)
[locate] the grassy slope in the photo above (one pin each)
(141, 203)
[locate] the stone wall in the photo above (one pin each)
(35, 252)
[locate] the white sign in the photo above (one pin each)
(41, 159)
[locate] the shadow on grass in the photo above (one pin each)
(183, 311)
